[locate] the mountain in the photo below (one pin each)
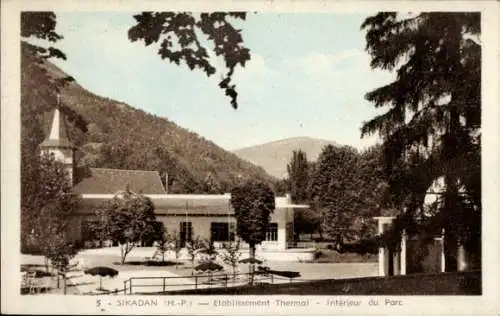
(117, 135)
(274, 156)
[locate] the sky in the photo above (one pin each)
(307, 76)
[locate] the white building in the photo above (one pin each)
(189, 215)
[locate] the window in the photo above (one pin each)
(272, 232)
(185, 232)
(219, 231)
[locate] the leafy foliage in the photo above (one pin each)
(193, 164)
(173, 243)
(231, 254)
(335, 190)
(298, 175)
(253, 203)
(180, 36)
(339, 173)
(45, 219)
(41, 25)
(129, 219)
(431, 129)
(36, 171)
(193, 246)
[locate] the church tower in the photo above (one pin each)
(58, 142)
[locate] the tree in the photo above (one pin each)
(128, 219)
(307, 221)
(298, 176)
(300, 172)
(281, 187)
(335, 190)
(53, 205)
(432, 127)
(184, 36)
(161, 247)
(174, 244)
(373, 191)
(40, 26)
(253, 203)
(193, 246)
(231, 254)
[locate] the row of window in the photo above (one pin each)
(223, 231)
(219, 231)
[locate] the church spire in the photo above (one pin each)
(58, 135)
(58, 144)
(55, 131)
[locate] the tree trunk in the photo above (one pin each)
(123, 255)
(64, 284)
(46, 260)
(252, 267)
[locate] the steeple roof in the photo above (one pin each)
(58, 136)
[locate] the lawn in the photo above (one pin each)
(454, 283)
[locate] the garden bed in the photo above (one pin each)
(332, 256)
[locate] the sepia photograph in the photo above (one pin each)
(171, 154)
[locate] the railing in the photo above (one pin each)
(164, 284)
(114, 292)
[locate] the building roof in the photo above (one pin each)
(57, 143)
(111, 181)
(192, 202)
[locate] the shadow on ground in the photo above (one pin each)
(150, 263)
(80, 283)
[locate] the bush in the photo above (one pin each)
(318, 254)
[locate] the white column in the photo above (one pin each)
(383, 255)
(381, 252)
(461, 257)
(396, 263)
(404, 237)
(443, 257)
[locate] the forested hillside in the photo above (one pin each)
(112, 134)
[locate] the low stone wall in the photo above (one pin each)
(291, 254)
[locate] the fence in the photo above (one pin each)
(136, 285)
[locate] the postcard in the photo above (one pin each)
(250, 157)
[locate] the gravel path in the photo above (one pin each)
(79, 283)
